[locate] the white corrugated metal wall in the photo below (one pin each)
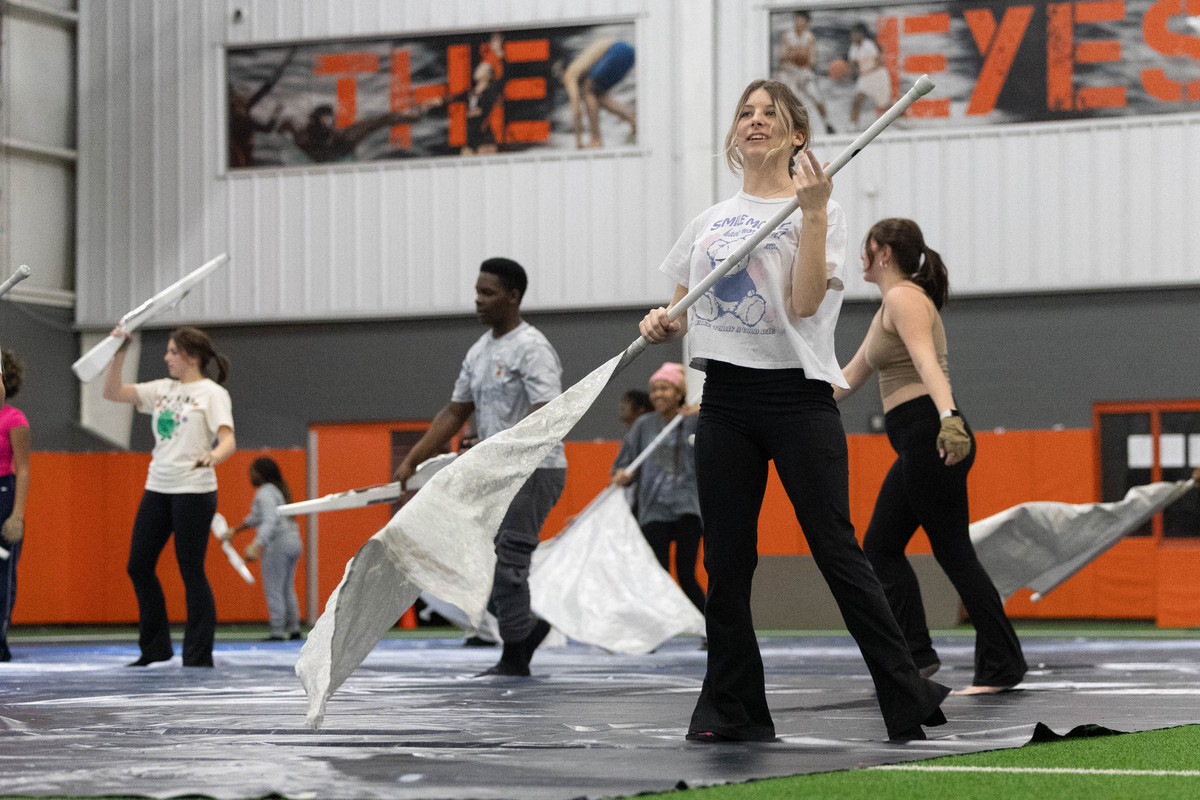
(37, 148)
(401, 238)
(1043, 207)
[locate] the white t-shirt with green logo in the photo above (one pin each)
(186, 417)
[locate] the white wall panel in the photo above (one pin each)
(400, 238)
(37, 152)
(1052, 207)
(42, 62)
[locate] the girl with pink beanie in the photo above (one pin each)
(668, 507)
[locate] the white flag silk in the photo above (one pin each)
(1039, 545)
(440, 541)
(599, 582)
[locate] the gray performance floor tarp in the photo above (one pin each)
(411, 723)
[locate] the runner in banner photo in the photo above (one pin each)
(764, 337)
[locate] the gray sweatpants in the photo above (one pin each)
(279, 585)
(515, 543)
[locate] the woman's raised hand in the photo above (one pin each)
(813, 186)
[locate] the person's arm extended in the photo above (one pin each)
(809, 279)
(226, 445)
(655, 327)
(268, 527)
(445, 424)
(856, 372)
(619, 475)
(909, 314)
(14, 526)
(114, 389)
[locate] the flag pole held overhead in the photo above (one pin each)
(92, 363)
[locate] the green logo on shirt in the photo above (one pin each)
(167, 424)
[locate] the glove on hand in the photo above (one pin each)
(953, 440)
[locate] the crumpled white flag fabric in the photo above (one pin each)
(599, 582)
(488, 629)
(1039, 545)
(440, 541)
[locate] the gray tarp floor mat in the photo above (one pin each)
(412, 723)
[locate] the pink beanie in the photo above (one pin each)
(670, 372)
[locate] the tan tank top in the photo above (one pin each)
(888, 356)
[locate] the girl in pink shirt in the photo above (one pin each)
(14, 488)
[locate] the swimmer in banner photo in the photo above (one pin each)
(192, 420)
(589, 79)
(765, 344)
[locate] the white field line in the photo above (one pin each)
(1182, 773)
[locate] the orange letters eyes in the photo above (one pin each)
(998, 42)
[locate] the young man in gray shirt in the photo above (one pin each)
(510, 372)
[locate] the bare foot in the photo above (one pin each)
(982, 690)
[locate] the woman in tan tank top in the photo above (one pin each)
(927, 484)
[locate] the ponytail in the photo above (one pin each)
(932, 277)
(222, 362)
(917, 261)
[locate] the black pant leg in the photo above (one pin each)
(811, 458)
(688, 533)
(685, 532)
(893, 523)
(151, 530)
(191, 516)
(658, 536)
(515, 542)
(8, 566)
(731, 472)
(939, 498)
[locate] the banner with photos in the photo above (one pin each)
(471, 93)
(994, 62)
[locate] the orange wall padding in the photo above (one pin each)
(349, 456)
(81, 510)
(78, 522)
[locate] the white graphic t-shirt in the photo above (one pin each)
(506, 377)
(186, 417)
(745, 318)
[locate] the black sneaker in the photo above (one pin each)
(478, 641)
(506, 669)
(145, 661)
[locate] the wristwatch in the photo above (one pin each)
(950, 412)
